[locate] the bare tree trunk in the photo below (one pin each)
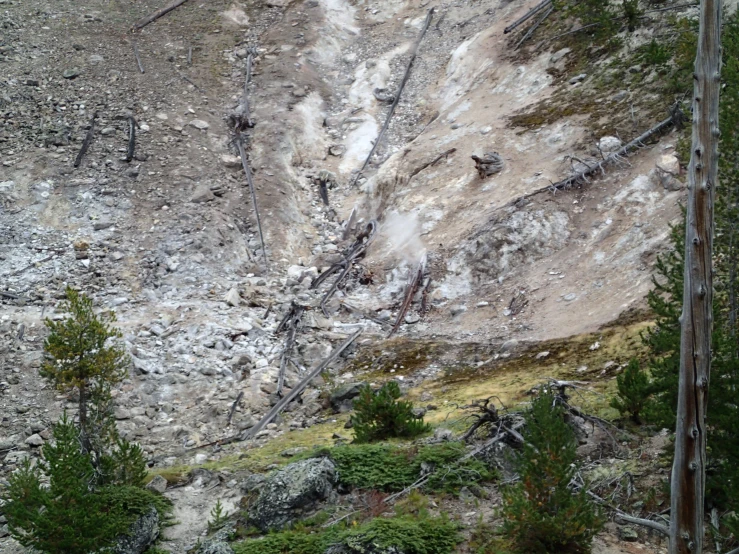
(688, 470)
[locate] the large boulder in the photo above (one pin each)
(141, 535)
(342, 399)
(291, 492)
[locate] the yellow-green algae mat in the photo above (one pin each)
(591, 358)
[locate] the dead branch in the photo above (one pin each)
(86, 143)
(189, 55)
(363, 313)
(138, 59)
(131, 138)
(432, 162)
(406, 75)
(675, 117)
(410, 291)
(488, 414)
(233, 407)
(356, 251)
(644, 522)
(250, 433)
(247, 171)
(534, 27)
(292, 325)
(10, 295)
(141, 23)
(528, 15)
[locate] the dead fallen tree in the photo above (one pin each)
(250, 433)
(250, 182)
(291, 323)
(534, 27)
(528, 15)
(414, 284)
(403, 82)
(141, 23)
(86, 143)
(131, 138)
(356, 251)
(676, 119)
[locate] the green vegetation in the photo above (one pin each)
(541, 513)
(80, 355)
(218, 517)
(410, 534)
(634, 388)
(381, 415)
(391, 468)
(70, 516)
(95, 477)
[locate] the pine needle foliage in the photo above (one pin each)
(81, 354)
(542, 514)
(634, 389)
(380, 415)
(70, 515)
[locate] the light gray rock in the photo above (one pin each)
(291, 492)
(609, 144)
(215, 547)
(200, 124)
(141, 534)
(232, 297)
(202, 194)
(71, 73)
(343, 397)
(35, 440)
(158, 484)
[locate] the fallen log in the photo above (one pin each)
(141, 23)
(676, 117)
(247, 171)
(357, 250)
(364, 314)
(296, 313)
(528, 15)
(534, 27)
(86, 143)
(406, 75)
(410, 291)
(432, 162)
(233, 407)
(131, 138)
(250, 433)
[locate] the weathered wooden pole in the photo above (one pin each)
(689, 466)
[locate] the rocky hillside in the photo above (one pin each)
(514, 279)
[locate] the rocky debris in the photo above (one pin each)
(291, 492)
(627, 533)
(158, 484)
(199, 124)
(666, 172)
(35, 440)
(232, 297)
(215, 547)
(141, 535)
(342, 399)
(609, 144)
(202, 194)
(489, 164)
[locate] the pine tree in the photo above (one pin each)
(542, 513)
(634, 388)
(663, 339)
(79, 355)
(380, 415)
(66, 517)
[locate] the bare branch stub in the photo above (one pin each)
(489, 164)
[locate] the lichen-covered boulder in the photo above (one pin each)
(141, 535)
(291, 492)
